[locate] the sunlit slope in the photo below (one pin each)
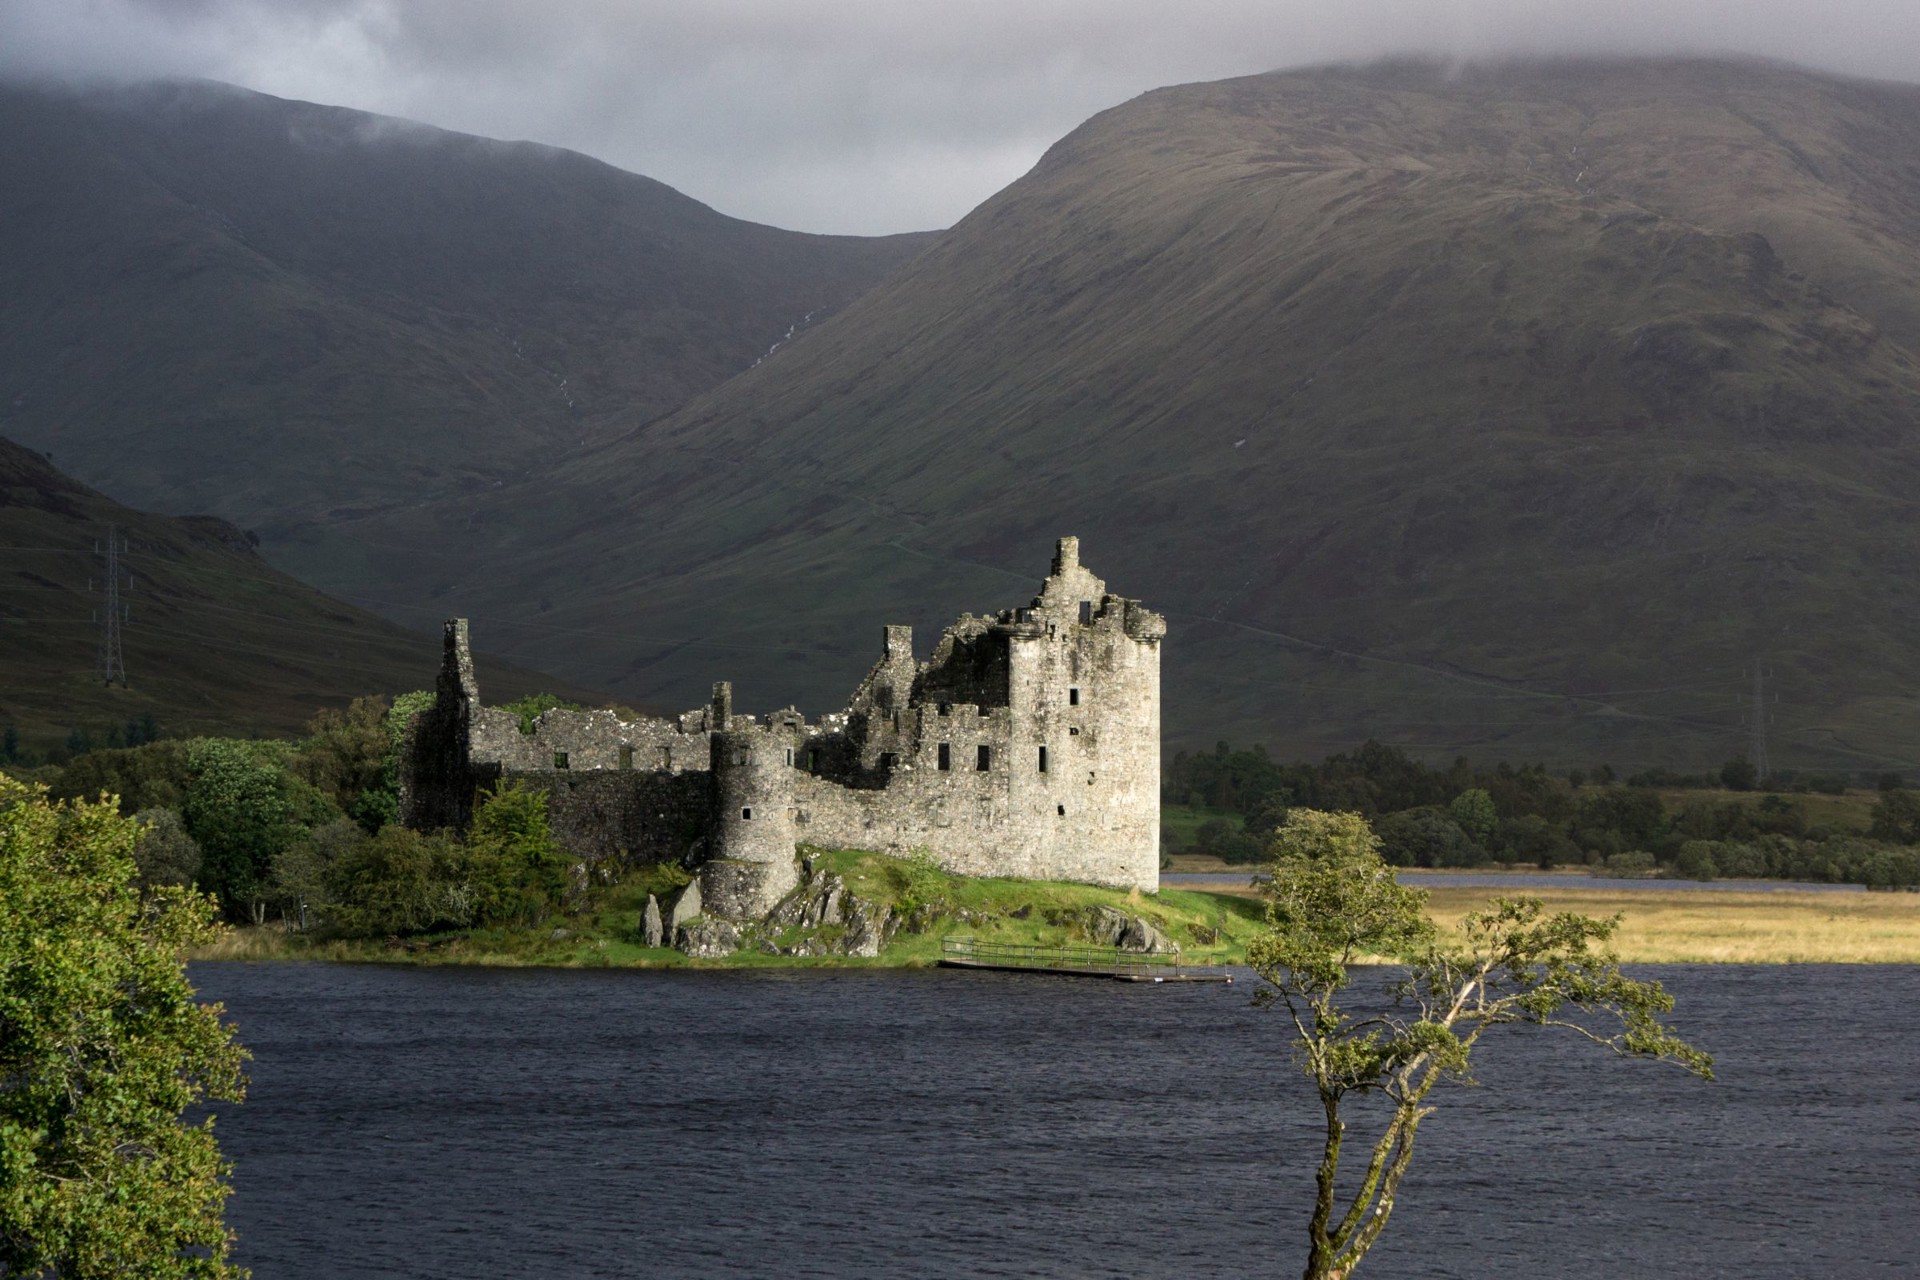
(1515, 413)
(216, 641)
(214, 300)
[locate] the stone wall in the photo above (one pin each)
(1028, 744)
(631, 818)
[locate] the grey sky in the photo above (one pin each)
(858, 115)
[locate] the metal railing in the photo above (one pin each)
(1084, 957)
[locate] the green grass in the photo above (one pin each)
(1211, 928)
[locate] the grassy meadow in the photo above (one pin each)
(1212, 922)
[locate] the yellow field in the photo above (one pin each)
(1709, 926)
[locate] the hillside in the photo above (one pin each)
(216, 301)
(1514, 412)
(217, 641)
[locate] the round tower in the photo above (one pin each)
(752, 832)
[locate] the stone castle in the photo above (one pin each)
(1028, 745)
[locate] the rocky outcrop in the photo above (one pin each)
(652, 931)
(834, 920)
(686, 907)
(708, 938)
(869, 926)
(1112, 927)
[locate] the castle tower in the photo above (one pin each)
(436, 767)
(1084, 690)
(751, 832)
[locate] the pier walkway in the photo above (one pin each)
(1074, 961)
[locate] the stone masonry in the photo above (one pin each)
(1028, 745)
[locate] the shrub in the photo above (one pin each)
(529, 708)
(1695, 860)
(398, 882)
(1629, 865)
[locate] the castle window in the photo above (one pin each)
(559, 759)
(1073, 697)
(789, 757)
(813, 762)
(889, 761)
(1073, 731)
(984, 760)
(1043, 759)
(1060, 809)
(626, 756)
(1086, 612)
(746, 815)
(946, 757)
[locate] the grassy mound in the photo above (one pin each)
(1210, 928)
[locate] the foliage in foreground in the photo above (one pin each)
(102, 1048)
(1334, 902)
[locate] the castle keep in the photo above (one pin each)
(1028, 744)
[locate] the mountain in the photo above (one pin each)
(1520, 411)
(214, 300)
(215, 639)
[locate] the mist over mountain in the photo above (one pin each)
(214, 300)
(1519, 410)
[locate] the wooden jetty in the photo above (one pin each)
(1074, 961)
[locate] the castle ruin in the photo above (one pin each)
(1027, 745)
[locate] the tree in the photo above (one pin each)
(1896, 817)
(238, 808)
(518, 872)
(1473, 810)
(1333, 902)
(102, 1048)
(164, 853)
(1739, 774)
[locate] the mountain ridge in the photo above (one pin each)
(1595, 379)
(216, 300)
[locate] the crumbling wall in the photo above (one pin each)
(629, 818)
(1027, 745)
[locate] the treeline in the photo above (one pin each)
(15, 751)
(303, 831)
(1466, 816)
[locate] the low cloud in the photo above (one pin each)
(857, 115)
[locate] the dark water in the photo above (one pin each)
(446, 1123)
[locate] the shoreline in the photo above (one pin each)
(1679, 926)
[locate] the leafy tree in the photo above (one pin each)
(102, 1049)
(239, 808)
(153, 776)
(1896, 817)
(297, 883)
(1427, 837)
(519, 873)
(163, 852)
(1473, 810)
(400, 881)
(1332, 903)
(1696, 860)
(345, 753)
